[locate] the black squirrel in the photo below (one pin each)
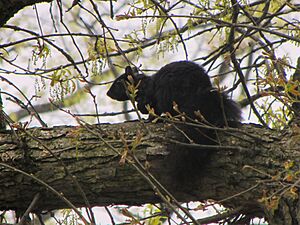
(185, 83)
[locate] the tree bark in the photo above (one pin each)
(248, 169)
(8, 8)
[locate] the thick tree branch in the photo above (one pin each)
(230, 176)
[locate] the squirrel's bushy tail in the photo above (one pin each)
(231, 109)
(217, 108)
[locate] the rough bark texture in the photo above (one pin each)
(251, 169)
(8, 8)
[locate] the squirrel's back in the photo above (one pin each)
(178, 82)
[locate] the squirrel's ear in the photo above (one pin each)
(132, 72)
(128, 71)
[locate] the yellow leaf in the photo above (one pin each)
(294, 192)
(288, 164)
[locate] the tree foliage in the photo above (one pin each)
(57, 60)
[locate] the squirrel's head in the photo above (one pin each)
(118, 90)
